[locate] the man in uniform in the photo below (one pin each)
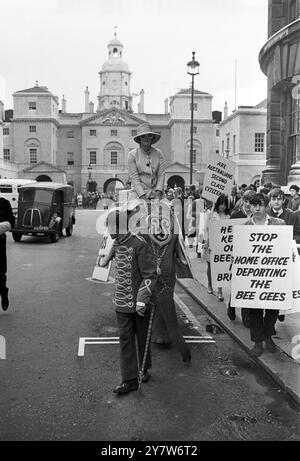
(7, 221)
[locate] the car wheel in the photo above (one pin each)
(54, 236)
(17, 237)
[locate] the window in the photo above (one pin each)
(93, 157)
(233, 144)
(70, 134)
(114, 158)
(33, 155)
(5, 131)
(194, 156)
(259, 142)
(217, 132)
(114, 132)
(6, 155)
(32, 128)
(70, 158)
(294, 127)
(217, 151)
(133, 132)
(228, 142)
(126, 105)
(32, 105)
(93, 132)
(222, 147)
(194, 129)
(195, 106)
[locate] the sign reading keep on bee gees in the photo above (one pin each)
(219, 177)
(262, 267)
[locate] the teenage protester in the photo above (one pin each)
(146, 165)
(132, 299)
(262, 321)
(276, 209)
(243, 212)
(294, 201)
(7, 221)
(220, 211)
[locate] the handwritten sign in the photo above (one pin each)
(218, 178)
(262, 267)
(221, 242)
(102, 273)
(295, 306)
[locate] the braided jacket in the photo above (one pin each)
(135, 272)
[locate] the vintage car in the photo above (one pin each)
(45, 208)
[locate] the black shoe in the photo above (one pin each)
(246, 317)
(270, 345)
(146, 376)
(231, 313)
(126, 387)
(4, 299)
(281, 317)
(257, 350)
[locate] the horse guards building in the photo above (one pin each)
(40, 140)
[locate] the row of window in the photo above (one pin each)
(70, 157)
(259, 143)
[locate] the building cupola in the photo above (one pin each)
(115, 79)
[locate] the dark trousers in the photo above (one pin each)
(133, 335)
(166, 324)
(3, 264)
(262, 323)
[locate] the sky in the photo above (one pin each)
(62, 44)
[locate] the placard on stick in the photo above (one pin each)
(262, 267)
(219, 177)
(102, 273)
(221, 243)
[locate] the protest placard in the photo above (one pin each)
(102, 273)
(220, 242)
(262, 267)
(219, 177)
(295, 306)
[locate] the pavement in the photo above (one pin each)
(284, 365)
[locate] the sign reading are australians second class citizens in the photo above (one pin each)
(262, 267)
(218, 178)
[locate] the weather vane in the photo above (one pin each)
(115, 33)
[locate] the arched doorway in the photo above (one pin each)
(112, 185)
(176, 181)
(43, 177)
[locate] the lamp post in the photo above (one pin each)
(192, 69)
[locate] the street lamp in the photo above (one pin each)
(192, 69)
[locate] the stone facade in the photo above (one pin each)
(280, 61)
(243, 140)
(46, 141)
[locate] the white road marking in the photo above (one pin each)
(115, 340)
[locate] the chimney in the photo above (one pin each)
(141, 103)
(225, 110)
(63, 105)
(166, 106)
(1, 111)
(91, 107)
(87, 97)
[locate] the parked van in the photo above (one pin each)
(9, 189)
(45, 209)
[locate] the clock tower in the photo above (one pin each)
(115, 80)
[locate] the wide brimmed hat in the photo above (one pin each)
(145, 128)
